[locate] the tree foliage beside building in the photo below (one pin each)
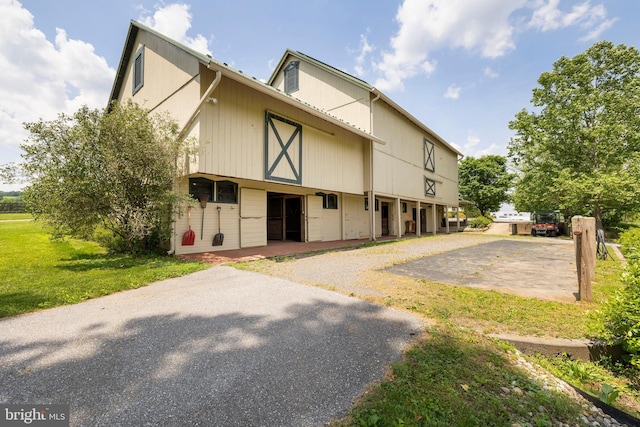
(106, 174)
(485, 181)
(579, 151)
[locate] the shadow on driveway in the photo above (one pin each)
(218, 347)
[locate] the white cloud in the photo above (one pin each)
(41, 78)
(470, 147)
(453, 92)
(547, 16)
(488, 28)
(174, 21)
(427, 26)
(364, 50)
(491, 73)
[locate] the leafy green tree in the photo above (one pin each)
(580, 150)
(485, 181)
(106, 174)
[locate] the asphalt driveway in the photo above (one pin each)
(218, 347)
(539, 268)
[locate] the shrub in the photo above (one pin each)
(630, 241)
(620, 315)
(480, 222)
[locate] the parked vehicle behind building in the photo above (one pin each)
(548, 224)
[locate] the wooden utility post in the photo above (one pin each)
(584, 239)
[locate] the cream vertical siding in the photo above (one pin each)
(233, 134)
(330, 92)
(166, 69)
(399, 165)
(253, 217)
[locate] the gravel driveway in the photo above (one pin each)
(218, 347)
(541, 268)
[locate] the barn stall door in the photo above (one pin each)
(253, 218)
(314, 218)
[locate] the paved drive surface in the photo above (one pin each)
(534, 268)
(218, 347)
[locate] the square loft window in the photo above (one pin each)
(329, 201)
(198, 186)
(226, 192)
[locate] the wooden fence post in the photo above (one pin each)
(584, 233)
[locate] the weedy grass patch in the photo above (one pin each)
(38, 272)
(455, 377)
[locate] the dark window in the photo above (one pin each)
(217, 191)
(198, 186)
(404, 207)
(138, 70)
(366, 204)
(291, 77)
(329, 201)
(429, 156)
(429, 187)
(226, 192)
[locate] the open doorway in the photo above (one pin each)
(384, 211)
(285, 217)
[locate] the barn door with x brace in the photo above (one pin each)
(283, 149)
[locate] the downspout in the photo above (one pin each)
(204, 98)
(372, 195)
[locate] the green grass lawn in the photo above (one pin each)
(38, 273)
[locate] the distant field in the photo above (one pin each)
(14, 216)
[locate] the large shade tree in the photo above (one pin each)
(107, 173)
(485, 181)
(579, 151)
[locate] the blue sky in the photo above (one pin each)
(462, 67)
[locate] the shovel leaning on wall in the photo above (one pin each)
(219, 237)
(189, 235)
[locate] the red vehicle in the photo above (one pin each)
(548, 224)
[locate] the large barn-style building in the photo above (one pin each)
(314, 154)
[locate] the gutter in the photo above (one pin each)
(205, 97)
(372, 195)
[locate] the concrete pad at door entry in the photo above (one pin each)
(537, 269)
